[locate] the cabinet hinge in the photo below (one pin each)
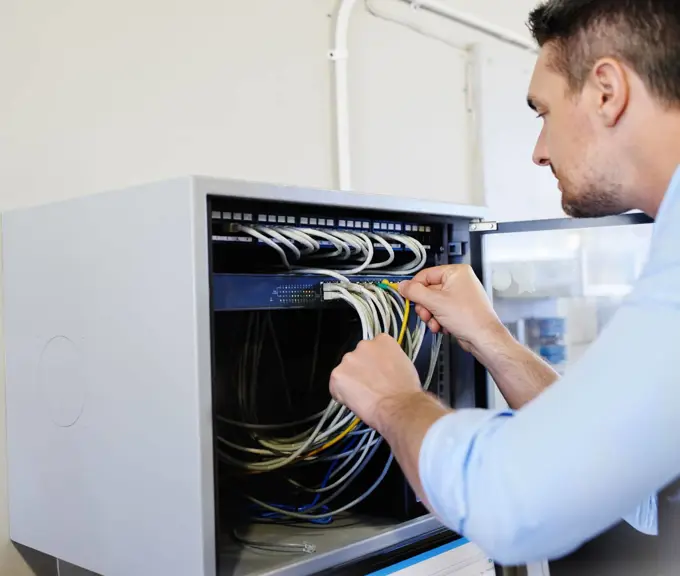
(483, 226)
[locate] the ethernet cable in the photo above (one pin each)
(297, 448)
(303, 547)
(348, 245)
(310, 244)
(380, 309)
(281, 238)
(414, 246)
(312, 517)
(390, 252)
(363, 451)
(307, 516)
(268, 241)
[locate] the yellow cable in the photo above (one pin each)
(355, 422)
(407, 309)
(335, 440)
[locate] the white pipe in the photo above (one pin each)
(339, 55)
(443, 9)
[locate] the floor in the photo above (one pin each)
(45, 565)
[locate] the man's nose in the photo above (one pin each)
(540, 155)
(541, 160)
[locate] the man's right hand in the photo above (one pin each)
(451, 298)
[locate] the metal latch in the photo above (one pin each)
(483, 226)
(456, 249)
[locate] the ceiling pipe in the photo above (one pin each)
(442, 8)
(339, 55)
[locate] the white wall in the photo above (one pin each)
(99, 94)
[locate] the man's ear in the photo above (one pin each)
(611, 86)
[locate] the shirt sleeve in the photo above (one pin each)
(645, 517)
(536, 484)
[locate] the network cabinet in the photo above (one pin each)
(168, 349)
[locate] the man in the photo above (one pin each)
(576, 454)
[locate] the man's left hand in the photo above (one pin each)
(374, 379)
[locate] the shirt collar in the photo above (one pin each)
(670, 200)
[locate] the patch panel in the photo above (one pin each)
(346, 223)
(316, 221)
(268, 291)
(396, 227)
(417, 228)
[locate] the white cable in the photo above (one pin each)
(380, 309)
(347, 245)
(376, 304)
(351, 240)
(340, 293)
(268, 241)
(364, 452)
(323, 272)
(281, 238)
(390, 252)
(414, 246)
(310, 244)
(280, 463)
(343, 250)
(366, 249)
(367, 299)
(391, 326)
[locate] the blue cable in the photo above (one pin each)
(348, 444)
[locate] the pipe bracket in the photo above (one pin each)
(338, 54)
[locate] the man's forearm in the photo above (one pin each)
(519, 373)
(404, 422)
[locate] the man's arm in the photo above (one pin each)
(378, 382)
(453, 299)
(519, 373)
(417, 413)
(462, 307)
(535, 484)
(540, 482)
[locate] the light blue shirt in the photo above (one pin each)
(595, 447)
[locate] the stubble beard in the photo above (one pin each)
(595, 201)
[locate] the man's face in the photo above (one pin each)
(574, 144)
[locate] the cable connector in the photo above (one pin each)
(389, 284)
(326, 291)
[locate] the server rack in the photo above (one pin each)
(127, 318)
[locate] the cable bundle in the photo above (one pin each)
(335, 437)
(351, 252)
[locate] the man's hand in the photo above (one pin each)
(453, 299)
(376, 380)
(379, 383)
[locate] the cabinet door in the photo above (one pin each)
(556, 283)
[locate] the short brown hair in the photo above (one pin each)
(645, 34)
